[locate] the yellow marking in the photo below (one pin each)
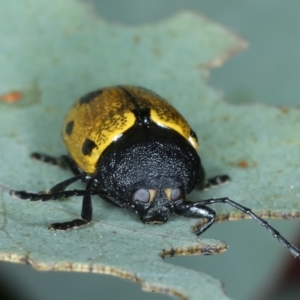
(168, 193)
(162, 113)
(194, 142)
(152, 195)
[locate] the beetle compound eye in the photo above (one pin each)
(141, 195)
(174, 194)
(177, 194)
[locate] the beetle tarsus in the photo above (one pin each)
(46, 196)
(19, 194)
(48, 159)
(68, 225)
(215, 181)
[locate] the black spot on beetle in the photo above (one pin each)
(88, 147)
(69, 127)
(89, 97)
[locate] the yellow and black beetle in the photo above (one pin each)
(134, 150)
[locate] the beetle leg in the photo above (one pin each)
(214, 182)
(56, 161)
(86, 216)
(295, 251)
(70, 163)
(64, 161)
(196, 210)
(86, 213)
(46, 197)
(63, 185)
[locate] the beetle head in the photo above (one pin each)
(154, 200)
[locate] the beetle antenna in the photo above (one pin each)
(295, 251)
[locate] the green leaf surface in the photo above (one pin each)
(54, 52)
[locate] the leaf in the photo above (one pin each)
(52, 60)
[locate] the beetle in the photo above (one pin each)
(134, 150)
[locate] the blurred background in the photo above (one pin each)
(255, 265)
